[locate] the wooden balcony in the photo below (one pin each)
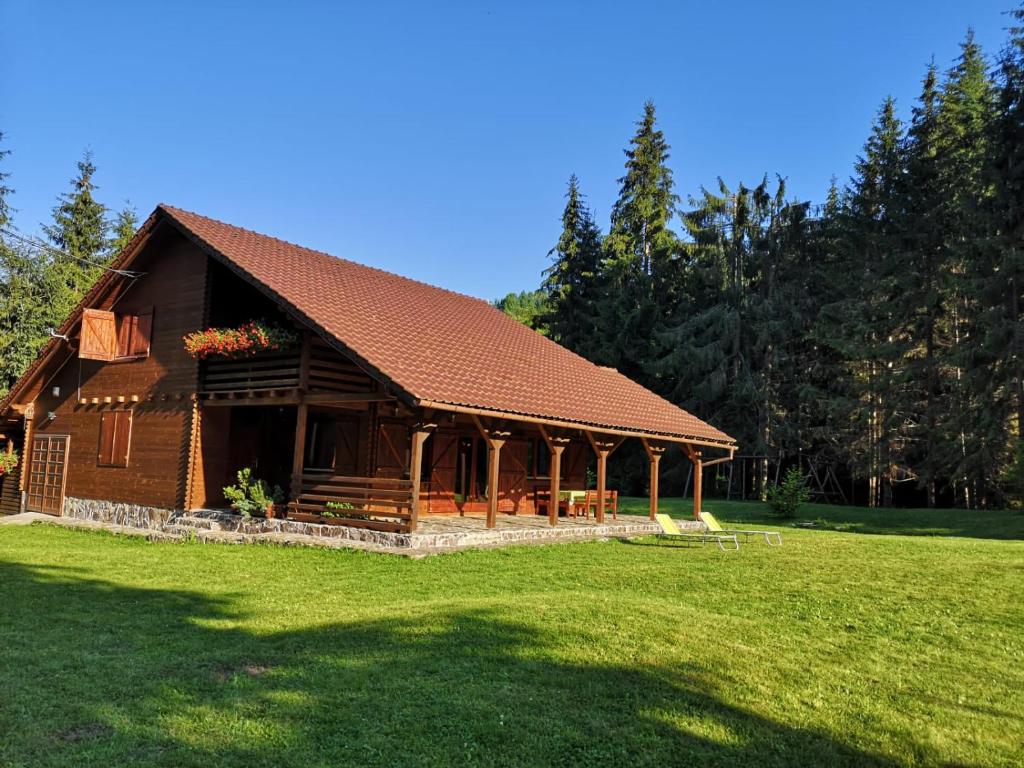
(260, 373)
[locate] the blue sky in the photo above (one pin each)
(435, 139)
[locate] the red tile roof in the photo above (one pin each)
(441, 347)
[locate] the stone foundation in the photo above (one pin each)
(435, 534)
(117, 513)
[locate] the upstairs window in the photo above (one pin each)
(115, 438)
(111, 336)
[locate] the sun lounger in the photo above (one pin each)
(771, 538)
(671, 530)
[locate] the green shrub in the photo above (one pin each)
(785, 499)
(252, 496)
(8, 461)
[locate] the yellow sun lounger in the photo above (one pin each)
(771, 538)
(671, 530)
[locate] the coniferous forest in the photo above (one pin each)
(873, 338)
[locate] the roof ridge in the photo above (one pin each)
(172, 210)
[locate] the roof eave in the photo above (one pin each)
(729, 444)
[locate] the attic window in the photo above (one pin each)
(108, 336)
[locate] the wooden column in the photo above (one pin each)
(493, 462)
(602, 449)
(299, 457)
(556, 445)
(602, 473)
(419, 436)
(698, 477)
(556, 483)
(26, 454)
(495, 439)
(654, 453)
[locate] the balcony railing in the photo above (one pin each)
(377, 503)
(268, 371)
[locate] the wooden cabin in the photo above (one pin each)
(394, 400)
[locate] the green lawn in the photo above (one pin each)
(837, 649)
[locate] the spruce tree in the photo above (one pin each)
(1001, 286)
(975, 429)
(571, 282)
(122, 230)
(858, 324)
(922, 297)
(640, 257)
(79, 235)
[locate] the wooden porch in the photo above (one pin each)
(364, 457)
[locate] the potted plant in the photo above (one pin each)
(8, 461)
(244, 341)
(253, 497)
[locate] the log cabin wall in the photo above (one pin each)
(174, 287)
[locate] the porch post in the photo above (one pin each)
(419, 436)
(299, 456)
(654, 457)
(556, 481)
(602, 467)
(26, 455)
(698, 478)
(493, 460)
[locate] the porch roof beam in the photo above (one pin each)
(471, 411)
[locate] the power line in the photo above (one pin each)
(40, 245)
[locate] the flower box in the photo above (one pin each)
(247, 340)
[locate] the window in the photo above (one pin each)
(115, 437)
(109, 336)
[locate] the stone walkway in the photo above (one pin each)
(436, 534)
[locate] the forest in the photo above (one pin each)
(873, 338)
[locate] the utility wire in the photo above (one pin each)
(40, 245)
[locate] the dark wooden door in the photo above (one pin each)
(46, 474)
(444, 453)
(512, 477)
(392, 449)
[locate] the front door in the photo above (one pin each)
(46, 474)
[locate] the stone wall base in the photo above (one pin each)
(117, 513)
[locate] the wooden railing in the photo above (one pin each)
(274, 370)
(377, 503)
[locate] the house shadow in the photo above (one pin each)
(95, 673)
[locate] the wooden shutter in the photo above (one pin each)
(99, 335)
(133, 335)
(142, 333)
(115, 437)
(125, 332)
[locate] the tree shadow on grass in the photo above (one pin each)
(99, 674)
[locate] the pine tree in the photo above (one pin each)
(640, 257)
(571, 282)
(79, 234)
(123, 230)
(975, 430)
(858, 324)
(1001, 287)
(922, 296)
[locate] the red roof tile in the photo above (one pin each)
(440, 346)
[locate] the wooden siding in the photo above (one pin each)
(174, 286)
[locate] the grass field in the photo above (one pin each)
(840, 648)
